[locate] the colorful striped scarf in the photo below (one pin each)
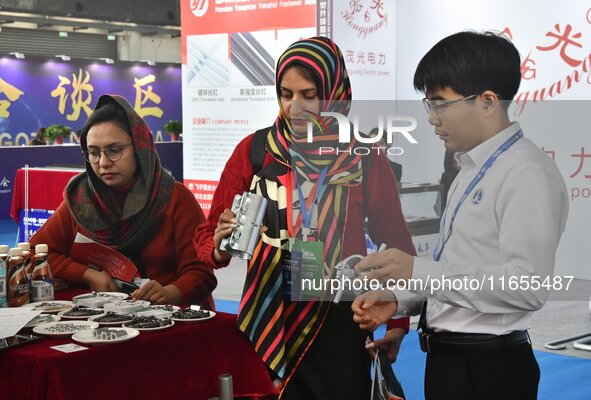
(130, 227)
(280, 330)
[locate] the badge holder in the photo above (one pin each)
(303, 271)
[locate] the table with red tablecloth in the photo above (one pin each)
(181, 362)
(45, 191)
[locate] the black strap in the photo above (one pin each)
(392, 383)
(257, 150)
(423, 317)
(458, 343)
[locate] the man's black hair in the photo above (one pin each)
(470, 63)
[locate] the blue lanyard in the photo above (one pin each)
(504, 147)
(307, 214)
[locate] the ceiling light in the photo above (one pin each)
(149, 62)
(108, 60)
(63, 57)
(63, 34)
(17, 54)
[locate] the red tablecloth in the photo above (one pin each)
(182, 362)
(46, 189)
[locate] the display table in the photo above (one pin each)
(181, 362)
(46, 189)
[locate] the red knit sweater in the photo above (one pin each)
(169, 258)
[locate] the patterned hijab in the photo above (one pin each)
(323, 58)
(280, 330)
(128, 227)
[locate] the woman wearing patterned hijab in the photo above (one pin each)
(312, 348)
(127, 201)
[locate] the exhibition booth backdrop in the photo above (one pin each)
(37, 92)
(230, 50)
(229, 56)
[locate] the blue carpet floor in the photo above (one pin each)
(562, 377)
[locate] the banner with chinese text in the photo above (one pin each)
(365, 30)
(554, 41)
(229, 55)
(225, 98)
(38, 92)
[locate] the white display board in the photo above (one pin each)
(554, 40)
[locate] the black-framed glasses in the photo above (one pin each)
(437, 107)
(114, 153)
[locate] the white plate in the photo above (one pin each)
(150, 329)
(87, 337)
(42, 319)
(58, 305)
(71, 327)
(211, 315)
(83, 316)
(116, 295)
(109, 323)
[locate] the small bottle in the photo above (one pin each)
(26, 248)
(3, 259)
(18, 284)
(42, 279)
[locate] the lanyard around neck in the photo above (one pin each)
(442, 239)
(305, 210)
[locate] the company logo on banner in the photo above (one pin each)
(367, 40)
(365, 16)
(4, 183)
(199, 7)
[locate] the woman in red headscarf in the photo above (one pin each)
(312, 349)
(127, 201)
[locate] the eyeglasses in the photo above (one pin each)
(112, 153)
(436, 107)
